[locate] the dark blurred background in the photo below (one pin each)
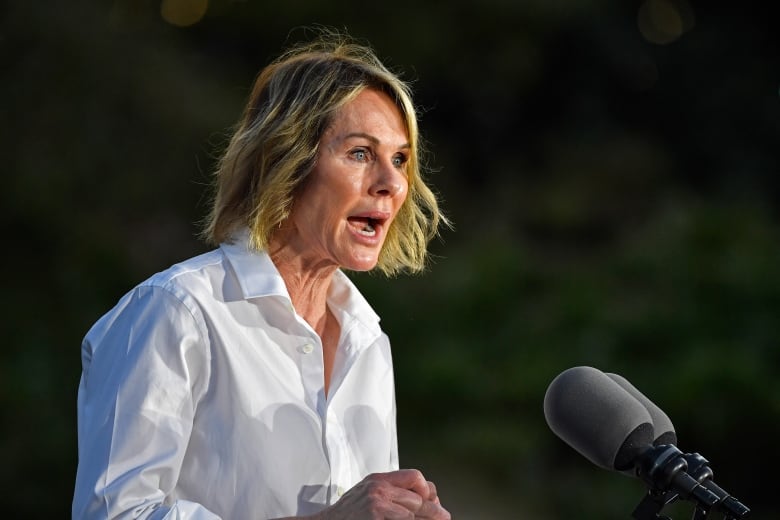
(611, 168)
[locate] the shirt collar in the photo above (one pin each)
(345, 297)
(258, 277)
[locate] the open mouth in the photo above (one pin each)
(366, 226)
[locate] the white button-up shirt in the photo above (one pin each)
(202, 397)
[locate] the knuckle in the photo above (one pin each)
(375, 478)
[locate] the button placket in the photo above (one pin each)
(338, 452)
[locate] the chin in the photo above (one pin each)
(361, 265)
(360, 268)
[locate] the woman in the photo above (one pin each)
(254, 381)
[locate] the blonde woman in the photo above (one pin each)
(254, 381)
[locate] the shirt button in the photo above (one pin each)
(307, 348)
(340, 491)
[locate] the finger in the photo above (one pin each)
(374, 497)
(433, 496)
(396, 512)
(410, 479)
(407, 499)
(432, 511)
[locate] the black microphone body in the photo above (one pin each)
(698, 468)
(664, 468)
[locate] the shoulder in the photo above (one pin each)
(189, 282)
(171, 295)
(189, 273)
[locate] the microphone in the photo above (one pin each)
(612, 424)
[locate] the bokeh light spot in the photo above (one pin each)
(183, 13)
(664, 21)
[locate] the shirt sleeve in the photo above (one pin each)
(145, 367)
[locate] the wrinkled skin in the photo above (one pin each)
(396, 495)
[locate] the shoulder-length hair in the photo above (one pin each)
(275, 144)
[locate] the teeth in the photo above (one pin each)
(368, 230)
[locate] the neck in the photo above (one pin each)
(308, 285)
(308, 282)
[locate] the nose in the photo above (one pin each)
(388, 181)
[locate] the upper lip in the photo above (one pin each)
(376, 216)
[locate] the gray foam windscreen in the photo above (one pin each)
(662, 426)
(597, 417)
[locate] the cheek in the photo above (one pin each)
(402, 195)
(399, 204)
(310, 213)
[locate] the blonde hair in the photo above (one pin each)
(275, 146)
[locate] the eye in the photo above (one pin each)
(360, 155)
(400, 160)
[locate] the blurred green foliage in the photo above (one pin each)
(614, 199)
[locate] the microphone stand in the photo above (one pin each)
(652, 504)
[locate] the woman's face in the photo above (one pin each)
(358, 184)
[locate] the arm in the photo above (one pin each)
(145, 366)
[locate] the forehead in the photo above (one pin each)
(372, 112)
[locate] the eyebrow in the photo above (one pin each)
(373, 139)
